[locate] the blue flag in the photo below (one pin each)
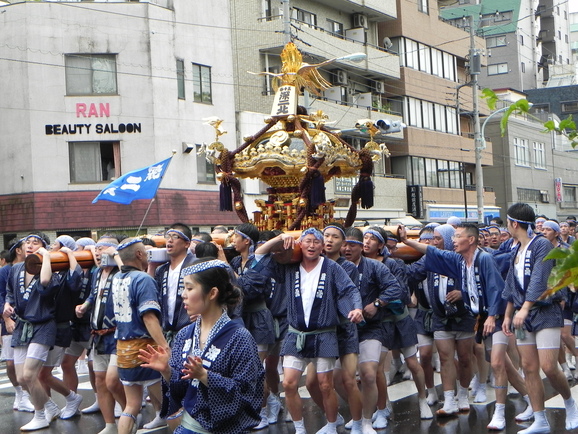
(138, 184)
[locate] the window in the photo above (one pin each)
(202, 84)
(90, 74)
(181, 79)
(498, 68)
(94, 161)
(431, 173)
(496, 41)
(539, 155)
(559, 35)
(335, 27)
(522, 40)
(305, 17)
(529, 195)
(521, 152)
(205, 170)
(566, 38)
(523, 67)
(569, 106)
(435, 173)
(422, 6)
(569, 195)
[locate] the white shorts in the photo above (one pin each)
(568, 322)
(54, 357)
(143, 383)
(409, 351)
(457, 336)
(7, 350)
(263, 348)
(101, 362)
(498, 338)
(369, 351)
(424, 341)
(76, 348)
(545, 339)
(32, 351)
(322, 364)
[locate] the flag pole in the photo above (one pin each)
(153, 199)
(145, 216)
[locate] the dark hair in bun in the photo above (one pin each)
(220, 278)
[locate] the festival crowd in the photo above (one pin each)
(203, 329)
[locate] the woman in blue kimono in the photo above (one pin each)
(213, 370)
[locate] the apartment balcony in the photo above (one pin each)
(374, 9)
(378, 65)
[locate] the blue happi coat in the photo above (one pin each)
(336, 296)
(544, 314)
(231, 401)
(34, 308)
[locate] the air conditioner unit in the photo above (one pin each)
(360, 20)
(340, 77)
(380, 87)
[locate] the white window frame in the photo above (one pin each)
(539, 155)
(498, 68)
(91, 74)
(521, 152)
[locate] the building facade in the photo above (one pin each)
(321, 30)
(436, 154)
(102, 88)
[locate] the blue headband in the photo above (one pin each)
(519, 221)
(129, 243)
(376, 235)
(197, 240)
(182, 235)
(312, 231)
(552, 225)
(105, 244)
(42, 240)
(540, 219)
(354, 242)
(392, 239)
(202, 266)
(426, 236)
(17, 244)
(335, 227)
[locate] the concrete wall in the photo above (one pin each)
(147, 40)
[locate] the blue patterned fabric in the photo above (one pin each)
(256, 289)
(231, 401)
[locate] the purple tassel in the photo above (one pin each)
(317, 196)
(225, 197)
(366, 191)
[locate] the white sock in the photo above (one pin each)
(564, 366)
(70, 396)
(463, 391)
(527, 399)
(357, 423)
(500, 410)
(431, 391)
(299, 424)
(448, 395)
(569, 403)
(540, 416)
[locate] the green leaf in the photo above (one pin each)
(557, 253)
(491, 98)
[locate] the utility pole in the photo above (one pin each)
(286, 21)
(475, 69)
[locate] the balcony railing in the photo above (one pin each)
(295, 23)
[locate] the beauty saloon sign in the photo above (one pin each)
(92, 110)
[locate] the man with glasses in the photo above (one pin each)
(495, 239)
(319, 292)
(170, 283)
